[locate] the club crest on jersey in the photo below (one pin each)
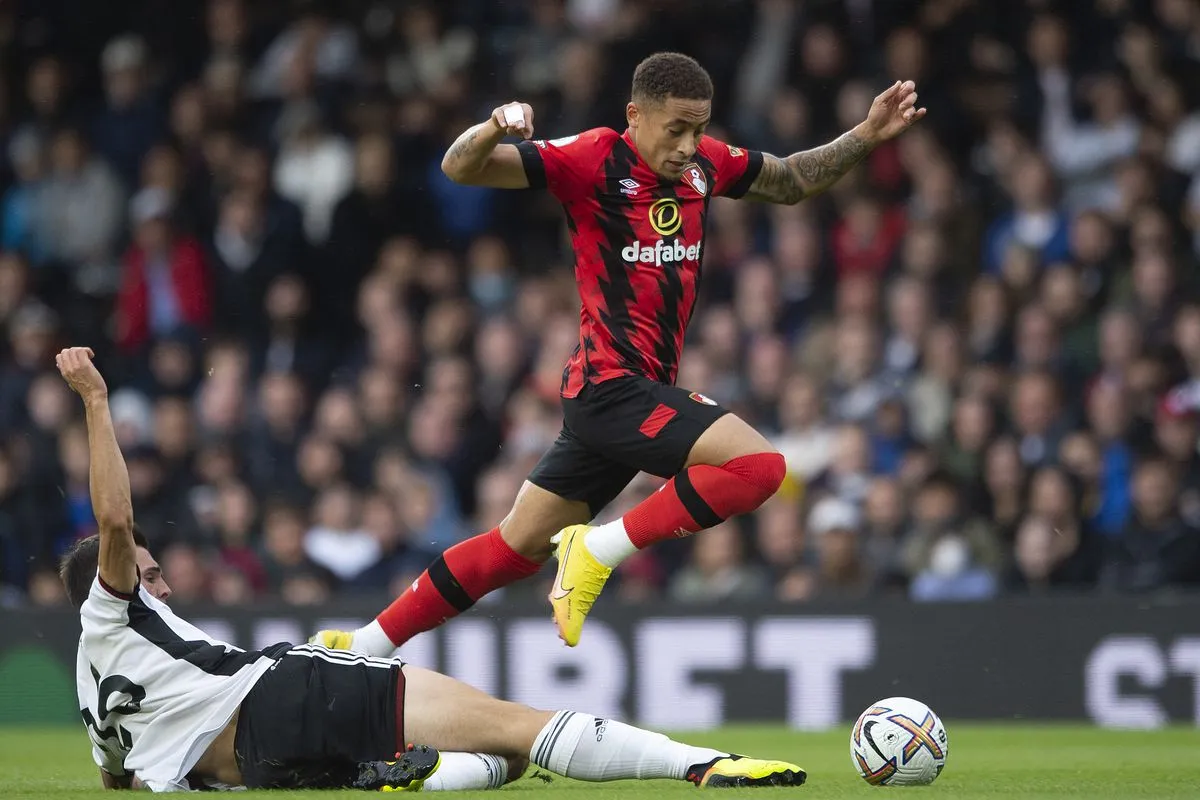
(629, 186)
(695, 178)
(699, 398)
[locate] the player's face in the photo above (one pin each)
(667, 134)
(152, 577)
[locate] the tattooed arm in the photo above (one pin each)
(802, 175)
(792, 179)
(478, 159)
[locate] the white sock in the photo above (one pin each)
(609, 543)
(372, 641)
(589, 748)
(461, 771)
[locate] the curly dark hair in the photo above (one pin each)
(664, 75)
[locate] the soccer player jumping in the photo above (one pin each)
(636, 205)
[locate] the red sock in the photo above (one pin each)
(703, 496)
(452, 584)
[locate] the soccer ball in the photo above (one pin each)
(899, 742)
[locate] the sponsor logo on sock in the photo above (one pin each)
(601, 727)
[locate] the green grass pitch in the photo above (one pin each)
(986, 761)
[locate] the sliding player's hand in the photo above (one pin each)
(75, 364)
(515, 119)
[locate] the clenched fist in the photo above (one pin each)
(515, 119)
(75, 365)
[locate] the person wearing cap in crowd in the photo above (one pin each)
(834, 526)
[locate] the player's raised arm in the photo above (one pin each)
(477, 158)
(108, 478)
(802, 175)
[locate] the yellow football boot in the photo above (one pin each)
(334, 640)
(736, 771)
(407, 773)
(579, 582)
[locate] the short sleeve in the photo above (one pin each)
(734, 168)
(567, 167)
(104, 605)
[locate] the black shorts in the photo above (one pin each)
(315, 715)
(616, 429)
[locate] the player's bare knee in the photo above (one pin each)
(529, 540)
(535, 517)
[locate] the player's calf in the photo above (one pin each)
(591, 748)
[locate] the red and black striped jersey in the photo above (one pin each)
(638, 241)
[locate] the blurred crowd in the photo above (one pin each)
(979, 353)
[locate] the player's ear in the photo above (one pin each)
(632, 114)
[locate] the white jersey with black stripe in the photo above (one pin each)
(154, 690)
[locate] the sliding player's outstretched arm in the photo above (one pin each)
(107, 475)
(477, 158)
(802, 175)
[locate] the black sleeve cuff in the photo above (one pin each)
(740, 188)
(535, 168)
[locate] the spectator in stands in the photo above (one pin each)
(949, 554)
(315, 168)
(237, 523)
(164, 281)
(779, 539)
(400, 562)
(1157, 550)
(884, 520)
(1036, 413)
(26, 152)
(80, 210)
(1036, 221)
(131, 121)
(718, 570)
(805, 439)
(336, 539)
(22, 541)
(283, 557)
(930, 393)
(1055, 547)
(834, 529)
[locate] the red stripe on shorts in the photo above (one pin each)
(401, 745)
(657, 420)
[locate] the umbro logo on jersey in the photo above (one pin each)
(630, 187)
